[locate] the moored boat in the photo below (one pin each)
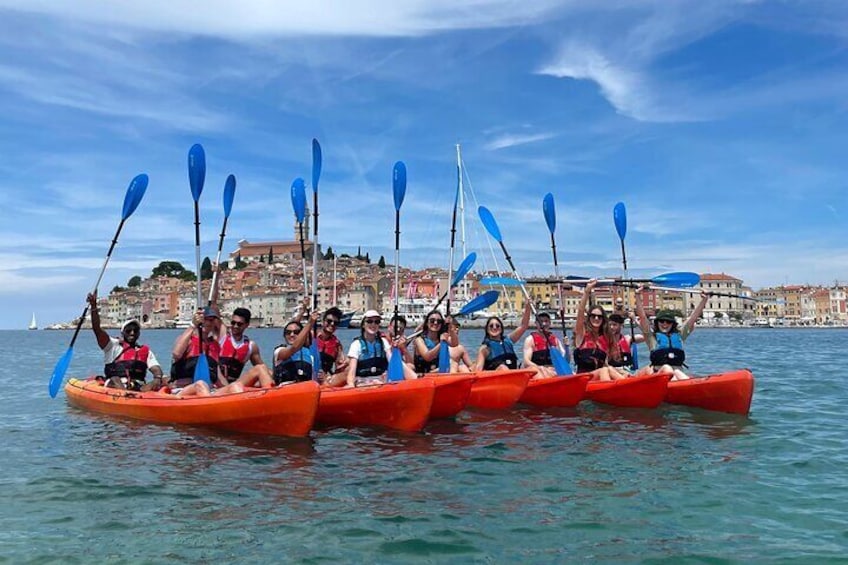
(452, 393)
(646, 391)
(403, 405)
(284, 411)
(498, 390)
(726, 392)
(555, 391)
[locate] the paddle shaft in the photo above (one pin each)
(397, 268)
(559, 292)
(217, 261)
(515, 274)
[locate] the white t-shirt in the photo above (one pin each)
(355, 350)
(114, 349)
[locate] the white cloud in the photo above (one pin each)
(511, 140)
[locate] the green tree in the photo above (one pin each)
(367, 258)
(134, 282)
(359, 253)
(382, 262)
(169, 269)
(206, 269)
(187, 276)
(329, 254)
(117, 288)
(271, 256)
(261, 258)
(240, 264)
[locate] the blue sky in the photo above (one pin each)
(720, 124)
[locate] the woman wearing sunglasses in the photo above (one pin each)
(498, 351)
(620, 352)
(665, 340)
(369, 354)
(429, 343)
(293, 360)
(591, 339)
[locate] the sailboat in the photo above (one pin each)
(33, 325)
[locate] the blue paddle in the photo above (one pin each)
(229, 196)
(560, 362)
(619, 216)
(395, 372)
(196, 179)
(500, 281)
(298, 200)
(461, 271)
(317, 161)
(133, 196)
(674, 280)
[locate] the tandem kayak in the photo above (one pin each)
(452, 393)
(403, 405)
(555, 391)
(498, 390)
(726, 392)
(283, 411)
(646, 391)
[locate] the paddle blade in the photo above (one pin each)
(59, 371)
(549, 211)
(316, 359)
(229, 195)
(201, 370)
(196, 170)
(135, 192)
(634, 351)
(399, 183)
(463, 268)
(444, 358)
(395, 366)
(500, 281)
(619, 214)
(298, 199)
(489, 223)
(561, 365)
(677, 280)
(481, 302)
(317, 161)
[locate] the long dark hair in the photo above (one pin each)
(486, 330)
(427, 322)
(299, 329)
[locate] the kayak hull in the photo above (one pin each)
(281, 411)
(403, 405)
(555, 391)
(452, 393)
(726, 392)
(646, 391)
(498, 390)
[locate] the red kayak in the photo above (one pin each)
(646, 391)
(725, 392)
(284, 411)
(452, 393)
(403, 405)
(498, 390)
(555, 391)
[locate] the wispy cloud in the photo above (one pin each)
(511, 140)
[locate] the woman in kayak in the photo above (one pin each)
(369, 354)
(188, 348)
(293, 360)
(591, 339)
(620, 353)
(429, 343)
(498, 351)
(665, 340)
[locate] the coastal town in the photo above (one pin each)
(268, 278)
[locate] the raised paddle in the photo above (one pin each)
(395, 372)
(134, 194)
(317, 161)
(229, 195)
(196, 178)
(619, 216)
(298, 200)
(708, 293)
(560, 362)
(461, 271)
(674, 280)
(474, 305)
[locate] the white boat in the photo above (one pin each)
(33, 325)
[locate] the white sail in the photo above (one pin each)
(33, 325)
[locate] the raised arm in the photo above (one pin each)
(644, 324)
(689, 325)
(184, 339)
(580, 323)
(516, 334)
(102, 337)
(285, 352)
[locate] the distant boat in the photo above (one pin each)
(346, 318)
(33, 325)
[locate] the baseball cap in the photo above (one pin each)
(129, 323)
(211, 312)
(372, 314)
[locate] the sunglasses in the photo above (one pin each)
(371, 321)
(596, 316)
(434, 321)
(291, 332)
(494, 326)
(236, 323)
(331, 322)
(665, 321)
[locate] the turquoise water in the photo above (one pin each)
(670, 485)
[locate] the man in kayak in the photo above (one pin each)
(333, 359)
(537, 348)
(126, 362)
(665, 340)
(237, 349)
(187, 348)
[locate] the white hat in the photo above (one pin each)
(371, 314)
(129, 322)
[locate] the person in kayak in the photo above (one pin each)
(429, 343)
(333, 359)
(187, 348)
(399, 321)
(293, 360)
(537, 348)
(236, 349)
(126, 361)
(369, 354)
(665, 340)
(620, 353)
(591, 339)
(498, 351)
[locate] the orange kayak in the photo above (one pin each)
(403, 405)
(647, 391)
(725, 392)
(452, 393)
(498, 390)
(555, 391)
(282, 411)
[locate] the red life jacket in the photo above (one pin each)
(541, 349)
(131, 363)
(591, 354)
(329, 349)
(182, 371)
(625, 354)
(233, 357)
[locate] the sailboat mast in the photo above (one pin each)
(334, 280)
(461, 195)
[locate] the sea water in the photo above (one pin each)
(671, 485)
